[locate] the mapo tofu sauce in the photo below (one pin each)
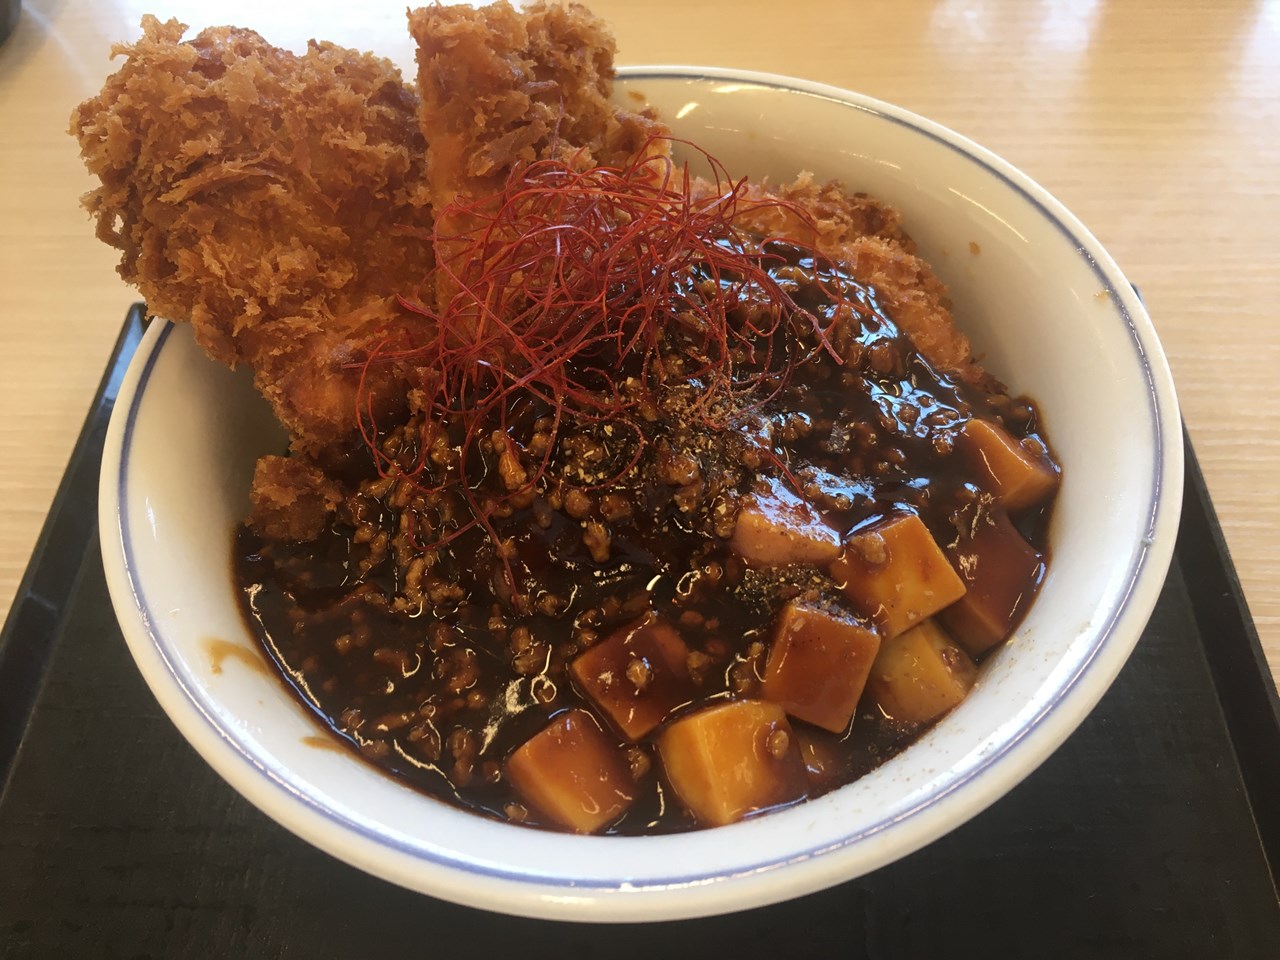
(680, 623)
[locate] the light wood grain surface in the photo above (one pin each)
(1157, 123)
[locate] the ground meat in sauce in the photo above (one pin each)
(436, 655)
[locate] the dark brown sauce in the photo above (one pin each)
(406, 688)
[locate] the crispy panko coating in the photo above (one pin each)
(501, 87)
(867, 236)
(275, 201)
(280, 202)
(838, 217)
(916, 300)
(292, 498)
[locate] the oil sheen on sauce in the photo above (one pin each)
(404, 690)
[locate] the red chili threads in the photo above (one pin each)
(570, 291)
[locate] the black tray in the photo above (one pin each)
(1148, 834)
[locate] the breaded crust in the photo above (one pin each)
(867, 236)
(265, 198)
(292, 498)
(502, 87)
(280, 202)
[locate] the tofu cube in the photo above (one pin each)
(1002, 573)
(573, 773)
(818, 664)
(821, 755)
(776, 528)
(733, 759)
(896, 574)
(637, 675)
(920, 675)
(1016, 477)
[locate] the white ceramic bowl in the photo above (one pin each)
(1042, 300)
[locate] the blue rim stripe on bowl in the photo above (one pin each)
(416, 850)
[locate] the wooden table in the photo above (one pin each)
(1158, 124)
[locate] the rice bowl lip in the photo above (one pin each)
(163, 587)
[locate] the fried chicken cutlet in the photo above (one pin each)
(502, 87)
(279, 202)
(264, 197)
(867, 236)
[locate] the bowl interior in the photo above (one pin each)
(1042, 302)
